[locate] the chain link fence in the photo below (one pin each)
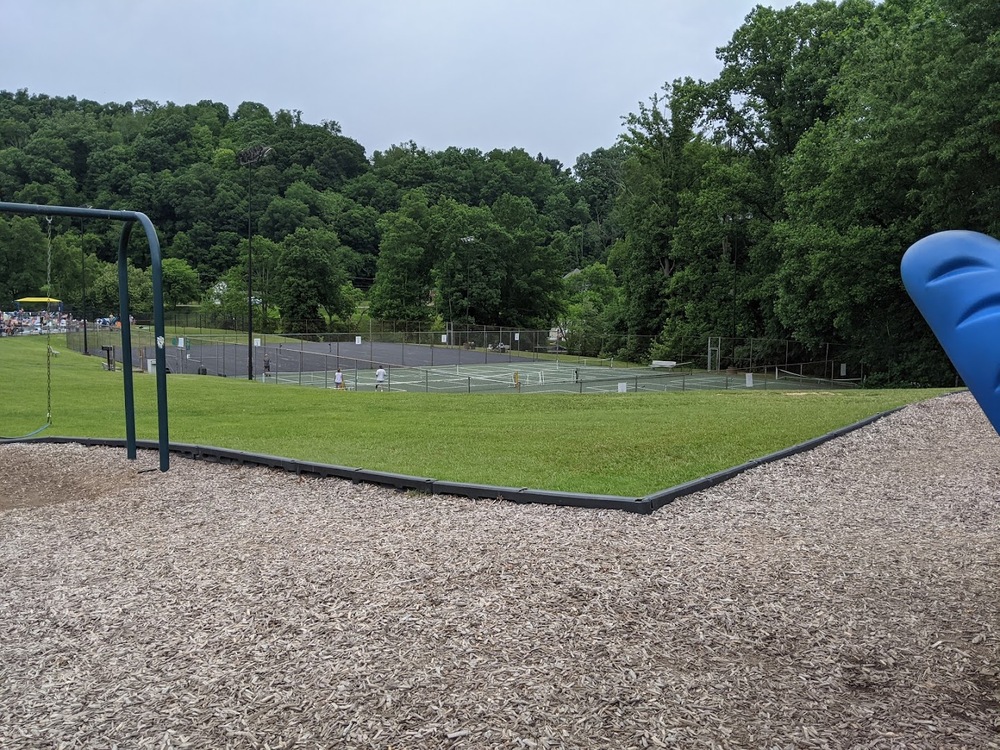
(717, 353)
(467, 359)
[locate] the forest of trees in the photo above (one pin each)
(773, 202)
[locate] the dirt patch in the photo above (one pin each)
(30, 477)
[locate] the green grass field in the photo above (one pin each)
(620, 444)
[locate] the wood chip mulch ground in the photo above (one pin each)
(843, 598)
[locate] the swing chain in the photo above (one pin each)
(48, 344)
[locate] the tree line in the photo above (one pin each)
(771, 203)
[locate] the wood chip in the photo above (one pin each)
(844, 597)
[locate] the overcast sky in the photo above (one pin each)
(549, 76)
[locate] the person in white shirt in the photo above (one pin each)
(379, 378)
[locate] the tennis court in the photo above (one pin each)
(518, 374)
(227, 356)
(570, 375)
(457, 369)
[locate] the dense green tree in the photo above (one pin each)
(457, 175)
(180, 283)
(226, 299)
(310, 281)
(373, 191)
(466, 274)
(708, 291)
(402, 288)
(592, 297)
(658, 170)
(104, 291)
(530, 282)
(778, 69)
(494, 267)
(283, 216)
(775, 86)
(251, 124)
(178, 164)
(320, 152)
(407, 166)
(601, 180)
(229, 296)
(905, 156)
(357, 228)
(23, 257)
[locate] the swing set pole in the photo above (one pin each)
(130, 218)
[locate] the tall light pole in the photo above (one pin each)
(249, 158)
(83, 283)
(468, 241)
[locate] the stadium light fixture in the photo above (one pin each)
(250, 158)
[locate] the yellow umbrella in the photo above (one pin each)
(37, 299)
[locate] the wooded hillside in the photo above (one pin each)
(773, 202)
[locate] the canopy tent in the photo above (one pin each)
(37, 299)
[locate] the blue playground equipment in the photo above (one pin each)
(954, 279)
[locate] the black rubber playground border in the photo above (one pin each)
(428, 485)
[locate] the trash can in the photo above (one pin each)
(203, 370)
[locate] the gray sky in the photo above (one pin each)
(549, 76)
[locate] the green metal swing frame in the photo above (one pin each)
(129, 219)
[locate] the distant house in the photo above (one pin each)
(557, 337)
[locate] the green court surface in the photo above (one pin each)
(554, 377)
